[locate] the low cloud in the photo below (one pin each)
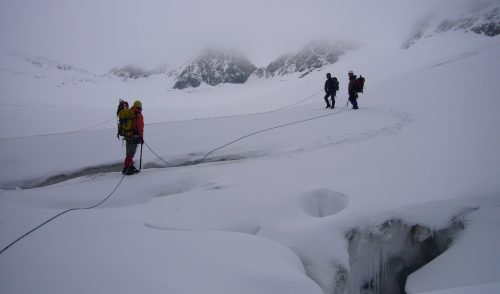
(99, 35)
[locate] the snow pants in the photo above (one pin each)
(328, 94)
(353, 99)
(131, 149)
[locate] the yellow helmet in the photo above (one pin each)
(138, 104)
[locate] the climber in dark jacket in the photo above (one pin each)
(331, 88)
(353, 96)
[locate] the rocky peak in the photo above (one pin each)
(215, 66)
(484, 22)
(135, 72)
(313, 56)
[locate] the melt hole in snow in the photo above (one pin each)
(324, 202)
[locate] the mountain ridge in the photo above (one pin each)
(217, 66)
(484, 22)
(213, 67)
(313, 56)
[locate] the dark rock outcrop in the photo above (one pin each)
(313, 56)
(484, 22)
(135, 72)
(214, 67)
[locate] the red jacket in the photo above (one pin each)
(139, 120)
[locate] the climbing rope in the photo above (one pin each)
(170, 164)
(252, 134)
(289, 105)
(246, 114)
(62, 133)
(164, 161)
(63, 213)
(113, 118)
(271, 128)
(257, 113)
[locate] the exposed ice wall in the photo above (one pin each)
(382, 256)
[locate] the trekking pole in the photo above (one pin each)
(140, 161)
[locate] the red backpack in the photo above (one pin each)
(359, 84)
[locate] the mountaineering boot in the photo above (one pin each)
(328, 106)
(134, 170)
(128, 171)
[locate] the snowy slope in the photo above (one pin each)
(275, 212)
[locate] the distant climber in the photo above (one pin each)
(352, 89)
(331, 88)
(131, 128)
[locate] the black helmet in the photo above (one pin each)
(328, 76)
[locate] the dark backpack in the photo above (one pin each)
(359, 84)
(335, 84)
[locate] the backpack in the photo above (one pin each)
(126, 120)
(359, 84)
(335, 84)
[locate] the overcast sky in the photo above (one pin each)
(101, 34)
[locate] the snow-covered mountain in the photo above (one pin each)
(56, 73)
(213, 67)
(313, 56)
(136, 72)
(486, 22)
(63, 74)
(46, 64)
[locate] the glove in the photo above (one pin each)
(141, 140)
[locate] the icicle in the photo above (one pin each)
(380, 255)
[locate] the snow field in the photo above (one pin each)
(422, 148)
